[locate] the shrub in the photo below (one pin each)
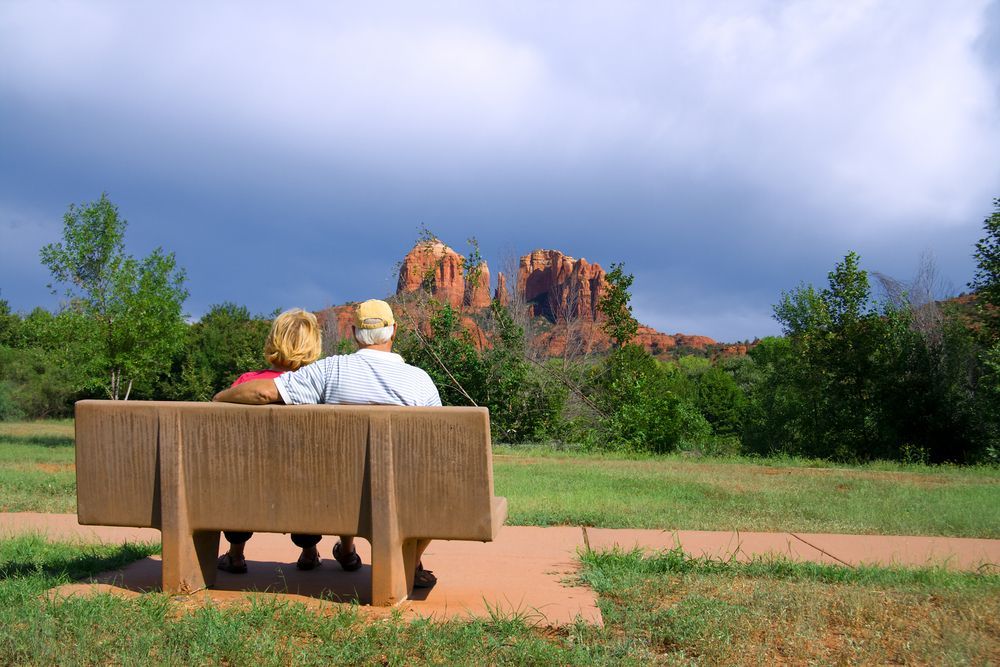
(641, 412)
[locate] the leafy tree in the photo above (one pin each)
(987, 279)
(987, 285)
(10, 326)
(776, 400)
(721, 401)
(943, 399)
(135, 304)
(842, 376)
(70, 338)
(527, 405)
(989, 402)
(225, 343)
(472, 269)
(614, 304)
(33, 385)
(44, 361)
(641, 411)
(645, 405)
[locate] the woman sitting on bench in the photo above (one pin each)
(294, 341)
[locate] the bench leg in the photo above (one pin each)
(393, 558)
(393, 564)
(189, 561)
(188, 555)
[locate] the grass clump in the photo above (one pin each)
(675, 608)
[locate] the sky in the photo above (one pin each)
(289, 153)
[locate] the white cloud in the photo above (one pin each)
(884, 110)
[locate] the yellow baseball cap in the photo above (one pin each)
(373, 314)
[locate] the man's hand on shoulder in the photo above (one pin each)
(254, 392)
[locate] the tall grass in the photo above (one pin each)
(669, 607)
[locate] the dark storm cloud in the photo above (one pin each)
(724, 153)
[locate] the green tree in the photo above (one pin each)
(847, 362)
(641, 411)
(614, 304)
(10, 326)
(987, 278)
(721, 401)
(135, 304)
(225, 343)
(33, 385)
(779, 415)
(43, 362)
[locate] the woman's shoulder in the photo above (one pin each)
(257, 375)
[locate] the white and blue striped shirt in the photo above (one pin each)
(367, 377)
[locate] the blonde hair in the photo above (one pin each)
(294, 340)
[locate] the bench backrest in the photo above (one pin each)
(306, 469)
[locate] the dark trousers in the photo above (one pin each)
(301, 541)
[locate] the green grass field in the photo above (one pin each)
(547, 487)
(36, 467)
(664, 609)
(551, 488)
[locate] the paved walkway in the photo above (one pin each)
(527, 570)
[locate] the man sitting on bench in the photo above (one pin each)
(373, 375)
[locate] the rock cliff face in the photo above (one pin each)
(336, 323)
(563, 290)
(478, 295)
(434, 266)
(501, 294)
(560, 288)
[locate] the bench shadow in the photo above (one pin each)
(76, 566)
(328, 582)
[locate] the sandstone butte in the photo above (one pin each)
(559, 292)
(435, 265)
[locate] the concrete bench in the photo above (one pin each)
(393, 475)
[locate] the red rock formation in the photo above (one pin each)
(501, 294)
(560, 288)
(653, 340)
(433, 266)
(734, 350)
(335, 323)
(693, 342)
(563, 290)
(478, 296)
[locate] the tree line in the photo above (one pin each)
(867, 367)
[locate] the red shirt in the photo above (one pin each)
(257, 375)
